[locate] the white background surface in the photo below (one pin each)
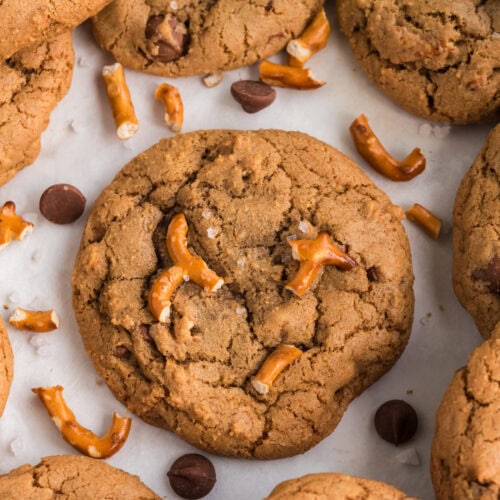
(80, 147)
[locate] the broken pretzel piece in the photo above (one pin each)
(278, 75)
(274, 364)
(186, 266)
(171, 99)
(34, 321)
(120, 100)
(425, 220)
(77, 436)
(370, 148)
(313, 255)
(12, 226)
(312, 40)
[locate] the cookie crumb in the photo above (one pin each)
(5, 306)
(212, 79)
(408, 457)
(409, 392)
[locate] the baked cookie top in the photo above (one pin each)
(70, 476)
(184, 38)
(437, 59)
(30, 23)
(465, 460)
(32, 82)
(6, 366)
(476, 239)
(331, 486)
(244, 196)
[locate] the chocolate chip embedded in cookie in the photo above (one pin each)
(192, 38)
(6, 366)
(466, 446)
(476, 244)
(242, 205)
(438, 60)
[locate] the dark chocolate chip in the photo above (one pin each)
(396, 421)
(252, 95)
(371, 273)
(192, 476)
(490, 274)
(170, 37)
(122, 352)
(62, 203)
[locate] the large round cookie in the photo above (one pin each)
(437, 59)
(465, 459)
(331, 486)
(243, 194)
(6, 366)
(184, 38)
(29, 23)
(476, 237)
(32, 82)
(72, 477)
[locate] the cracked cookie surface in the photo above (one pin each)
(32, 82)
(72, 477)
(438, 59)
(244, 194)
(476, 237)
(185, 38)
(330, 486)
(6, 366)
(465, 459)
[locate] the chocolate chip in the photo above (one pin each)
(169, 37)
(192, 476)
(490, 274)
(62, 203)
(122, 352)
(252, 95)
(371, 273)
(396, 421)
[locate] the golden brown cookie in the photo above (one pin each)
(184, 38)
(29, 23)
(465, 460)
(330, 486)
(72, 477)
(245, 196)
(476, 238)
(6, 366)
(438, 59)
(32, 82)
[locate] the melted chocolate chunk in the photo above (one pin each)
(170, 37)
(490, 275)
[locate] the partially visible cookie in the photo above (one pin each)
(476, 237)
(6, 366)
(32, 82)
(29, 23)
(331, 486)
(184, 38)
(437, 59)
(72, 477)
(465, 459)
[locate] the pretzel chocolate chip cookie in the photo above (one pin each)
(224, 289)
(184, 38)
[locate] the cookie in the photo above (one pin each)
(70, 476)
(6, 366)
(330, 486)
(244, 195)
(184, 38)
(32, 82)
(437, 59)
(465, 458)
(476, 241)
(39, 20)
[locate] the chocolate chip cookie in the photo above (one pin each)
(437, 59)
(68, 476)
(465, 459)
(476, 240)
(32, 82)
(181, 38)
(330, 486)
(246, 200)
(27, 24)
(6, 366)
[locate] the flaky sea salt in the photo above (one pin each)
(83, 62)
(240, 263)
(36, 256)
(174, 5)
(304, 226)
(186, 277)
(14, 298)
(207, 214)
(16, 446)
(441, 131)
(291, 237)
(425, 130)
(424, 320)
(76, 126)
(409, 456)
(241, 310)
(212, 232)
